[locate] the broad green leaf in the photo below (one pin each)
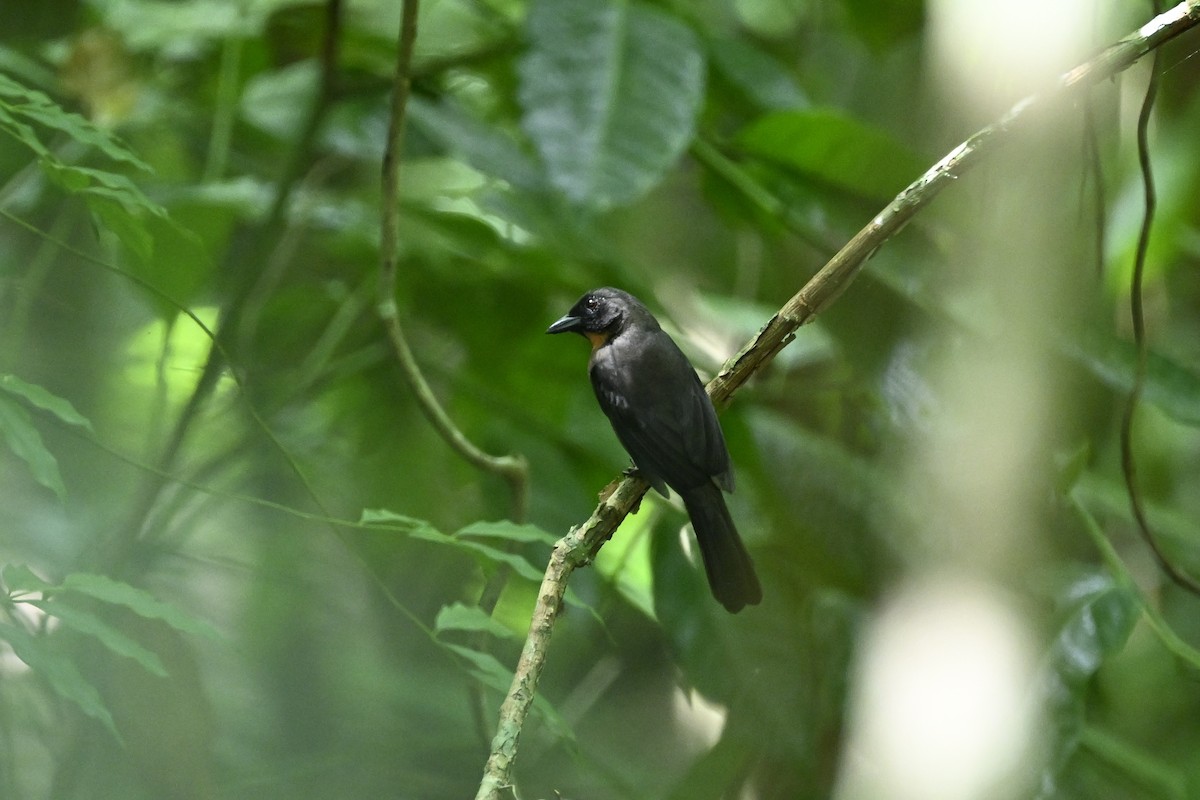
(834, 149)
(459, 617)
(59, 671)
(508, 531)
(609, 92)
(91, 625)
(23, 439)
(37, 396)
(138, 601)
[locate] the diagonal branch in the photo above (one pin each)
(513, 469)
(577, 547)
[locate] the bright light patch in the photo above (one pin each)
(997, 52)
(943, 704)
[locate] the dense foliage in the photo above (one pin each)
(239, 562)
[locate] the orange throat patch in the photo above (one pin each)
(598, 339)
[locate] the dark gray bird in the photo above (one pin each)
(666, 422)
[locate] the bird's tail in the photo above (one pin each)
(730, 570)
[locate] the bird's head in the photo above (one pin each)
(600, 314)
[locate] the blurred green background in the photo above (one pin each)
(193, 608)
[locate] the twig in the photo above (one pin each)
(577, 547)
(1138, 317)
(513, 469)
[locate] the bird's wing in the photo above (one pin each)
(664, 419)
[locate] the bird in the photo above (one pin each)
(667, 424)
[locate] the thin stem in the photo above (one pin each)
(513, 469)
(1137, 314)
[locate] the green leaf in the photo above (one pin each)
(41, 398)
(484, 147)
(757, 74)
(37, 107)
(1170, 386)
(459, 617)
(419, 529)
(609, 92)
(23, 439)
(20, 578)
(835, 149)
(20, 131)
(1100, 617)
(130, 230)
(100, 183)
(278, 102)
(508, 531)
(384, 518)
(518, 564)
(136, 600)
(59, 671)
(91, 625)
(486, 669)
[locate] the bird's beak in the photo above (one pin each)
(566, 324)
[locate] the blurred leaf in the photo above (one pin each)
(91, 625)
(508, 531)
(881, 23)
(163, 254)
(37, 107)
(1099, 618)
(459, 617)
(714, 772)
(758, 74)
(278, 102)
(1169, 385)
(20, 578)
(610, 91)
(146, 24)
(835, 149)
(131, 231)
(43, 399)
(101, 183)
(136, 600)
(487, 554)
(490, 672)
(23, 439)
(59, 671)
(485, 147)
(518, 564)
(382, 516)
